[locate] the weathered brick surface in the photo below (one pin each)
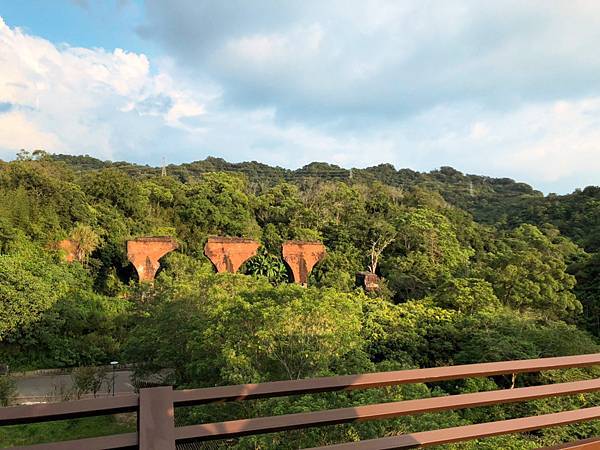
(302, 256)
(229, 253)
(70, 248)
(145, 252)
(367, 280)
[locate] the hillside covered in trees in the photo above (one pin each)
(472, 268)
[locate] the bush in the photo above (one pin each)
(7, 390)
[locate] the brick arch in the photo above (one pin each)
(145, 252)
(228, 253)
(301, 257)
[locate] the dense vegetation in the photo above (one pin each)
(473, 269)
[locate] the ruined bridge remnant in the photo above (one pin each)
(367, 280)
(229, 253)
(302, 256)
(145, 252)
(69, 246)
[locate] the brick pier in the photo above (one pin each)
(229, 253)
(302, 256)
(145, 253)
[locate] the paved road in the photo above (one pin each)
(51, 385)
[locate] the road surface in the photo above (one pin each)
(37, 387)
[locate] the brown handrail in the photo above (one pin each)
(190, 397)
(469, 432)
(584, 444)
(155, 407)
(244, 427)
(68, 410)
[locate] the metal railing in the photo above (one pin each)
(155, 408)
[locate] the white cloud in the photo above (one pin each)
(72, 99)
(479, 130)
(17, 132)
(558, 140)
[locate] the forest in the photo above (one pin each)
(472, 269)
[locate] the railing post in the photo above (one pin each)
(156, 419)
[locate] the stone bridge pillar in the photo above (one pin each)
(229, 253)
(302, 256)
(145, 252)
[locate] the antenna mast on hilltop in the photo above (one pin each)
(163, 172)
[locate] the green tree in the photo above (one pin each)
(412, 333)
(529, 272)
(267, 265)
(114, 188)
(502, 335)
(245, 330)
(466, 295)
(30, 283)
(88, 380)
(218, 205)
(427, 253)
(86, 240)
(586, 269)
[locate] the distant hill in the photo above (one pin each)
(475, 193)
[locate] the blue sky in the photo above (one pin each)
(501, 88)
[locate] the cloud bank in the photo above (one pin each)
(63, 98)
(502, 88)
(385, 58)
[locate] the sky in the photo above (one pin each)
(500, 88)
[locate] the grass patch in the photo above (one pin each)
(63, 430)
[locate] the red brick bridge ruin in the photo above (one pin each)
(226, 253)
(229, 253)
(69, 247)
(145, 253)
(301, 257)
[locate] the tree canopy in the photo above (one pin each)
(470, 269)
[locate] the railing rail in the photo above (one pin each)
(244, 427)
(374, 380)
(469, 432)
(75, 409)
(155, 408)
(584, 444)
